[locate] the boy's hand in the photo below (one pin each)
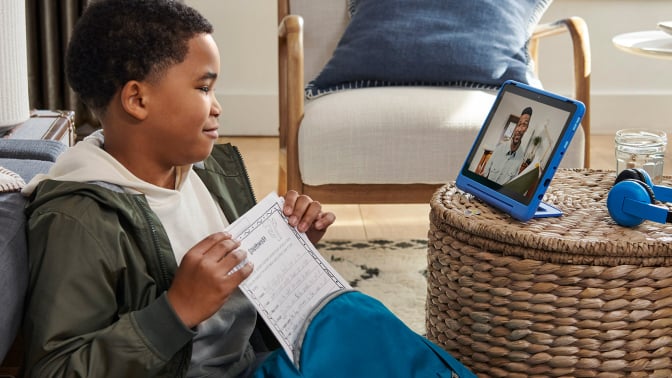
(202, 283)
(306, 215)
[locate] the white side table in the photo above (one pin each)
(653, 43)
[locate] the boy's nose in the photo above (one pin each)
(216, 109)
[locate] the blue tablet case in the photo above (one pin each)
(519, 148)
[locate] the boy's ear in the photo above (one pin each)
(133, 99)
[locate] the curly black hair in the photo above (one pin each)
(116, 41)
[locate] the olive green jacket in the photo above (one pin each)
(92, 242)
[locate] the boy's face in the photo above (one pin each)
(182, 106)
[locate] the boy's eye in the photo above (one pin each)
(205, 89)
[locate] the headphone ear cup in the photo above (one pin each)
(632, 189)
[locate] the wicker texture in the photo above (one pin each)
(575, 296)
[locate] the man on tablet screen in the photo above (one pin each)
(506, 160)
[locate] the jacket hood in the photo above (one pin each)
(106, 195)
(87, 161)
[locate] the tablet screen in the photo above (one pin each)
(521, 135)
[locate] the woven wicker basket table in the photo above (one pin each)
(574, 296)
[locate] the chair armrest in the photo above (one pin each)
(578, 31)
(291, 95)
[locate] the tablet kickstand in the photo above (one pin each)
(546, 211)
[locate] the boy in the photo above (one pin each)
(128, 261)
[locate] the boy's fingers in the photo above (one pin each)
(239, 261)
(310, 216)
(324, 220)
(209, 241)
(290, 202)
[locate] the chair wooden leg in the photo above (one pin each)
(282, 182)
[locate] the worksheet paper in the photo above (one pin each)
(290, 277)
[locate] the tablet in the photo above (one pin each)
(519, 148)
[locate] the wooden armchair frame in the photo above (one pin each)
(291, 101)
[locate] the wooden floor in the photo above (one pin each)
(368, 222)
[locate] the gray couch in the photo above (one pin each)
(26, 158)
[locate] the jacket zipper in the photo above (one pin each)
(246, 175)
(155, 238)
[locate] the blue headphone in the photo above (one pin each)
(632, 199)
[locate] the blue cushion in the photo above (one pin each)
(34, 149)
(26, 168)
(467, 43)
(13, 267)
(26, 158)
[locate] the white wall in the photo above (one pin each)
(627, 90)
(246, 34)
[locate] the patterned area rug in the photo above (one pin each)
(392, 271)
